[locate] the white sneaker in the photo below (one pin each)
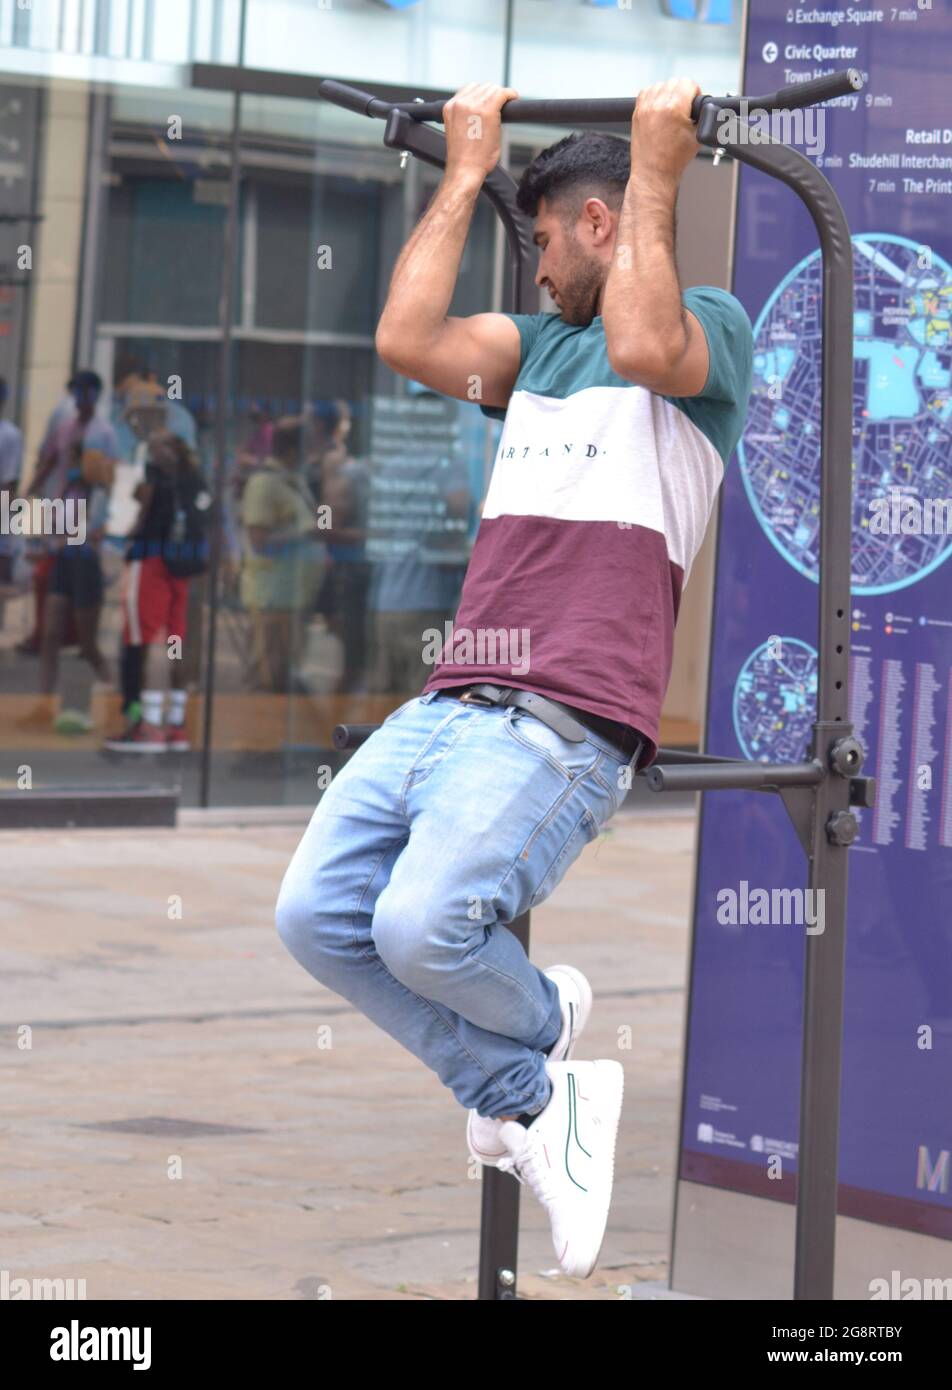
(575, 992)
(567, 1157)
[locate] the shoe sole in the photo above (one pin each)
(136, 747)
(491, 1157)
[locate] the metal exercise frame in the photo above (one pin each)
(818, 792)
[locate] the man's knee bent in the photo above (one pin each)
(412, 940)
(293, 919)
(298, 926)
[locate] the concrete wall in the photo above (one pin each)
(56, 258)
(703, 244)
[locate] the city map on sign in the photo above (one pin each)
(902, 410)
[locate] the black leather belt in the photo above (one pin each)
(564, 719)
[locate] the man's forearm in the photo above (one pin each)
(642, 313)
(425, 275)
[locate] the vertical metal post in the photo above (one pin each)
(507, 49)
(226, 299)
(97, 158)
(499, 1213)
(825, 966)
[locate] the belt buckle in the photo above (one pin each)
(469, 697)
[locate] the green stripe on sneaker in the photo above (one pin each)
(572, 1128)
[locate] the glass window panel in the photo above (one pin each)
(164, 249)
(298, 226)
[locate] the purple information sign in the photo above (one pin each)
(887, 150)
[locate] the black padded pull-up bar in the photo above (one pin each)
(599, 110)
(817, 792)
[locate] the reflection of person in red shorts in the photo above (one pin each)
(155, 594)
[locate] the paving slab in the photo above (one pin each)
(176, 1130)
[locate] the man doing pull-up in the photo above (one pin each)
(468, 805)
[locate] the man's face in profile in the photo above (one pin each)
(573, 276)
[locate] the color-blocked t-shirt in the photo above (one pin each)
(599, 499)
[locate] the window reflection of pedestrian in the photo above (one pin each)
(11, 462)
(260, 434)
(255, 435)
(67, 424)
(345, 486)
(141, 405)
(78, 468)
(155, 599)
(284, 559)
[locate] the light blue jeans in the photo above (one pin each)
(449, 822)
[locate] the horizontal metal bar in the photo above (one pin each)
(317, 337)
(671, 756)
(598, 110)
(351, 735)
(674, 769)
(703, 777)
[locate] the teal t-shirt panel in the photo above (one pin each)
(558, 359)
(720, 409)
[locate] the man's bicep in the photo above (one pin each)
(472, 359)
(691, 373)
(681, 377)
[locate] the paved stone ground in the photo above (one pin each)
(194, 1041)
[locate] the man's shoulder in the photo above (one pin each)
(531, 325)
(542, 330)
(715, 300)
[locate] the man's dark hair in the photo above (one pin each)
(585, 164)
